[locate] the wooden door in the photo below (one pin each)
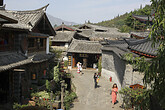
(73, 62)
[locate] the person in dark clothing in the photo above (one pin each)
(95, 79)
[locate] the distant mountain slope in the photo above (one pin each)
(126, 22)
(58, 21)
(116, 22)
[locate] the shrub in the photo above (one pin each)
(65, 63)
(17, 106)
(48, 85)
(68, 99)
(131, 96)
(42, 94)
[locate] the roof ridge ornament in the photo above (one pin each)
(43, 8)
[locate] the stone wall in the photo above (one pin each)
(121, 72)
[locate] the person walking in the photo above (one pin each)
(114, 94)
(78, 67)
(95, 79)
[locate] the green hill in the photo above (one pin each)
(125, 22)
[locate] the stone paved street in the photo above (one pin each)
(90, 98)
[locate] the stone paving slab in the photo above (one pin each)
(90, 98)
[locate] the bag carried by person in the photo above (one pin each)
(97, 80)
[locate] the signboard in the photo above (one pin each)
(83, 55)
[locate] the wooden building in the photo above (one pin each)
(24, 52)
(144, 19)
(99, 33)
(86, 52)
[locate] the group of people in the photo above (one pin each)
(79, 67)
(96, 78)
(114, 89)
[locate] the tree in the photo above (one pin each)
(154, 70)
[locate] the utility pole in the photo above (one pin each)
(51, 99)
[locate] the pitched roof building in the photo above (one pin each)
(63, 37)
(113, 64)
(30, 20)
(63, 27)
(83, 46)
(143, 18)
(24, 51)
(86, 52)
(99, 33)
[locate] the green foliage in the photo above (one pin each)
(99, 65)
(154, 71)
(48, 85)
(57, 75)
(68, 99)
(154, 75)
(116, 22)
(42, 94)
(65, 63)
(135, 97)
(125, 28)
(17, 106)
(58, 53)
(126, 22)
(131, 22)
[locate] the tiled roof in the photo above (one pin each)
(42, 57)
(83, 46)
(11, 60)
(143, 17)
(63, 36)
(7, 18)
(12, 57)
(117, 46)
(137, 46)
(69, 28)
(26, 19)
(94, 27)
(140, 35)
(143, 46)
(111, 33)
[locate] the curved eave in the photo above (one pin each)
(144, 54)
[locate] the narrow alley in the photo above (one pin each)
(90, 98)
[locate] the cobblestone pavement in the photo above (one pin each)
(90, 98)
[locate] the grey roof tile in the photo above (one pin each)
(141, 34)
(26, 19)
(63, 37)
(143, 17)
(83, 46)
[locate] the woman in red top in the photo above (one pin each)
(114, 94)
